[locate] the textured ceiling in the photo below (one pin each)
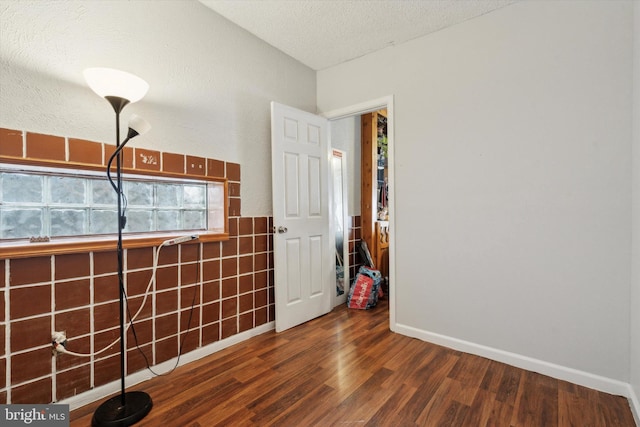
(323, 33)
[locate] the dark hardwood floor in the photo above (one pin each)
(347, 368)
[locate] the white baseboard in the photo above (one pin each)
(635, 404)
(568, 374)
(103, 391)
(575, 376)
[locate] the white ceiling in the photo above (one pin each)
(324, 33)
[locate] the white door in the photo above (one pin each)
(303, 256)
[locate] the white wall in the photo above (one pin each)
(512, 182)
(635, 281)
(211, 82)
(345, 136)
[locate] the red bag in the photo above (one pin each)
(365, 291)
(360, 292)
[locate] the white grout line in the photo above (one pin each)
(154, 309)
(24, 144)
(179, 296)
(54, 382)
(123, 313)
(92, 326)
(201, 295)
(7, 330)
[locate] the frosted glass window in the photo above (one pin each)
(21, 223)
(194, 219)
(139, 193)
(169, 220)
(216, 220)
(67, 190)
(215, 197)
(103, 221)
(65, 204)
(102, 192)
(139, 221)
(169, 195)
(68, 222)
(22, 188)
(216, 194)
(194, 196)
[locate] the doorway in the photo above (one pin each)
(354, 171)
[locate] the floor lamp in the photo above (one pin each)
(120, 88)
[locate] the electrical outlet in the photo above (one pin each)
(58, 340)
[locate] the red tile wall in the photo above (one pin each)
(148, 160)
(196, 165)
(72, 152)
(11, 142)
(45, 147)
(173, 162)
(227, 284)
(204, 292)
(81, 151)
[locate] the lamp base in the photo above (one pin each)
(111, 413)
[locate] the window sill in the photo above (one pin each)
(69, 246)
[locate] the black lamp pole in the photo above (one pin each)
(129, 407)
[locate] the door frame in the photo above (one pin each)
(340, 299)
(363, 108)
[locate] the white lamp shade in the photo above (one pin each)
(140, 125)
(109, 82)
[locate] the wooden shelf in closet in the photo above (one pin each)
(369, 179)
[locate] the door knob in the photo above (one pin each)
(282, 229)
